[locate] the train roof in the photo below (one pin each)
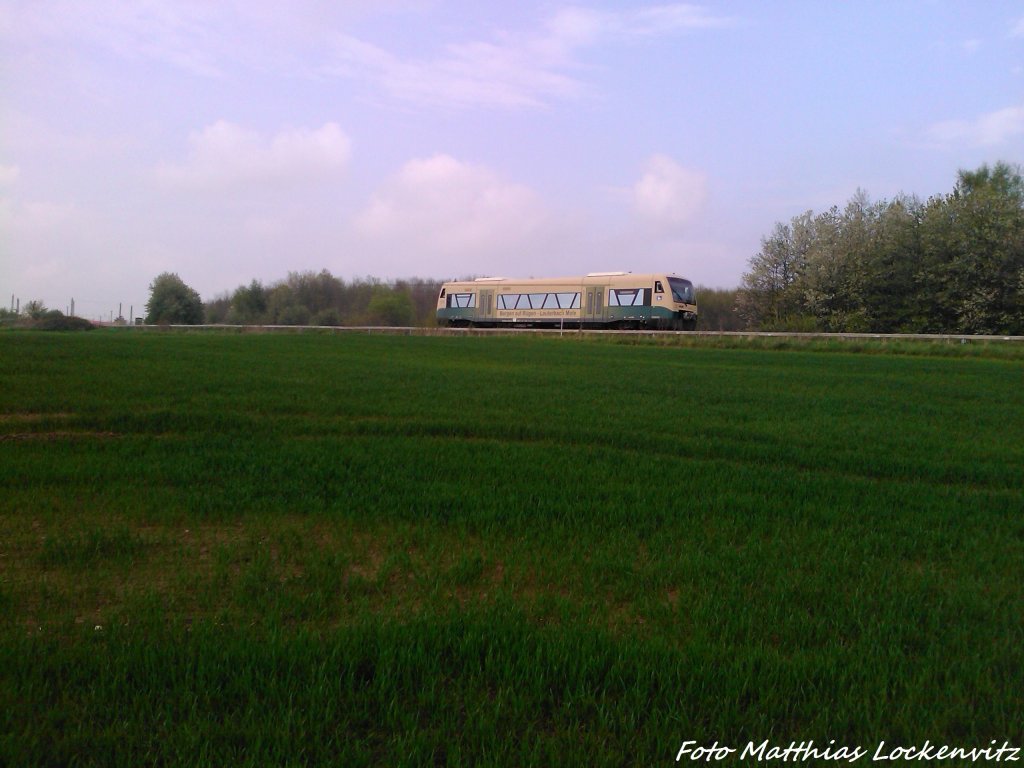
(590, 278)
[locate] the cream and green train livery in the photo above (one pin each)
(597, 300)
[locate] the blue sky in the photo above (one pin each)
(395, 138)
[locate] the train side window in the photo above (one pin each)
(514, 301)
(626, 297)
(568, 300)
(442, 293)
(658, 287)
(462, 300)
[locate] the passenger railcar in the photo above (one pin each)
(597, 300)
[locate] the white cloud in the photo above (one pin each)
(987, 130)
(455, 218)
(40, 243)
(667, 193)
(225, 155)
(8, 174)
(45, 216)
(1017, 30)
(441, 216)
(971, 46)
(443, 206)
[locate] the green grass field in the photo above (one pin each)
(255, 549)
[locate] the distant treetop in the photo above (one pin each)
(173, 302)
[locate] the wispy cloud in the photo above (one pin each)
(186, 35)
(225, 154)
(469, 74)
(588, 26)
(990, 129)
(511, 71)
(504, 70)
(1017, 28)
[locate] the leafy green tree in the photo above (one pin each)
(890, 290)
(820, 290)
(317, 291)
(248, 304)
(283, 307)
(171, 301)
(34, 309)
(988, 249)
(215, 311)
(717, 309)
(390, 307)
(953, 264)
(326, 317)
(972, 254)
(293, 314)
(1002, 179)
(838, 279)
(423, 294)
(770, 290)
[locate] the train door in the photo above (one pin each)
(485, 307)
(593, 308)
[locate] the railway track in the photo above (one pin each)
(422, 331)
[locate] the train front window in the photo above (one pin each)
(682, 290)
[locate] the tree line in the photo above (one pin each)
(302, 298)
(35, 315)
(951, 264)
(320, 298)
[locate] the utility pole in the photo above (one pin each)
(72, 307)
